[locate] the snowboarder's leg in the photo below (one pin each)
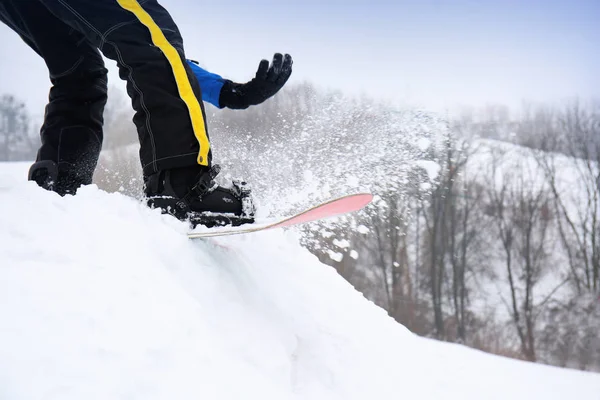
(145, 42)
(71, 135)
(175, 149)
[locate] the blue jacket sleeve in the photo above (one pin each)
(210, 84)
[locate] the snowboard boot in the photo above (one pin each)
(191, 194)
(60, 179)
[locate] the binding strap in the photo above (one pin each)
(201, 188)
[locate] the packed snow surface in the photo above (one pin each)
(102, 298)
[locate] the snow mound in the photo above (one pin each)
(102, 298)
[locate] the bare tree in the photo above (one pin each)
(577, 202)
(16, 142)
(465, 247)
(389, 249)
(520, 209)
(446, 217)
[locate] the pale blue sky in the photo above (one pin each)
(436, 54)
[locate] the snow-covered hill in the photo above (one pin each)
(102, 298)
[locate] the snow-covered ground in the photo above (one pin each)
(102, 298)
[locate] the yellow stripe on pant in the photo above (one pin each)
(183, 84)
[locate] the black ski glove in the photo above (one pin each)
(268, 81)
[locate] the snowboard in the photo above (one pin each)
(331, 208)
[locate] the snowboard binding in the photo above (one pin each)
(204, 202)
(242, 192)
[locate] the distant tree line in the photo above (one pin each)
(502, 251)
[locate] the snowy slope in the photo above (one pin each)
(102, 298)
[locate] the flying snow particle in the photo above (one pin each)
(362, 229)
(308, 176)
(432, 168)
(335, 256)
(342, 244)
(354, 254)
(352, 181)
(326, 234)
(423, 144)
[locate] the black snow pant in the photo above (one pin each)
(147, 46)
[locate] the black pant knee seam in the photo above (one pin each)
(176, 156)
(85, 21)
(118, 26)
(70, 70)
